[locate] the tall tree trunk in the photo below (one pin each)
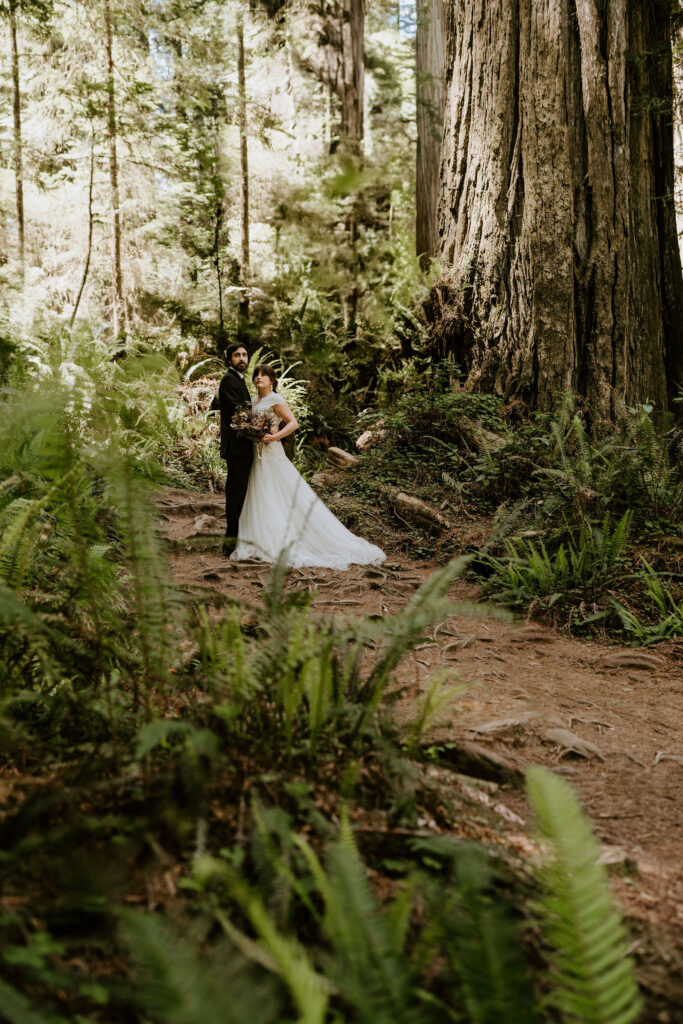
(556, 208)
(339, 63)
(4, 239)
(430, 67)
(18, 156)
(351, 134)
(91, 220)
(352, 78)
(244, 166)
(118, 313)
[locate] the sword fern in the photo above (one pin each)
(592, 978)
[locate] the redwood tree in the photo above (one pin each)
(430, 69)
(556, 214)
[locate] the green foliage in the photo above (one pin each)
(581, 569)
(367, 958)
(592, 981)
(484, 948)
(328, 686)
(664, 606)
(569, 508)
(239, 746)
(180, 984)
(78, 546)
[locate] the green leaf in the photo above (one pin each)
(157, 733)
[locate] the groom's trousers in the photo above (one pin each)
(239, 467)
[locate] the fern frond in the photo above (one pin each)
(592, 978)
(366, 963)
(483, 946)
(433, 705)
(310, 990)
(17, 1009)
(177, 983)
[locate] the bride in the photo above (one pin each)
(281, 511)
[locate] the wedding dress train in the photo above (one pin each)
(282, 512)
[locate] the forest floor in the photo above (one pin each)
(609, 718)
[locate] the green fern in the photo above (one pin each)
(282, 954)
(666, 608)
(483, 946)
(15, 1008)
(592, 977)
(180, 984)
(366, 961)
(433, 705)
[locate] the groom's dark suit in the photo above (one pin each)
(237, 451)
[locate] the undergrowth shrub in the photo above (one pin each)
(579, 572)
(568, 510)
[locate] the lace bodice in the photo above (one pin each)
(266, 405)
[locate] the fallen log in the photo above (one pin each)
(415, 510)
(338, 459)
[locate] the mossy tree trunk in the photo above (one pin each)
(556, 214)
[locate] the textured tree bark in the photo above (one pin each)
(352, 83)
(244, 165)
(430, 67)
(18, 154)
(118, 312)
(340, 64)
(556, 211)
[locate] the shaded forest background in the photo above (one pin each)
(188, 173)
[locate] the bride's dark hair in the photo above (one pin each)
(267, 371)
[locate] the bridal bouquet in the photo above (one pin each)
(250, 425)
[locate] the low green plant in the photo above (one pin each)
(664, 607)
(580, 568)
(592, 980)
(310, 932)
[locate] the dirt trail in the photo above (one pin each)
(608, 718)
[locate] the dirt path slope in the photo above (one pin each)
(608, 718)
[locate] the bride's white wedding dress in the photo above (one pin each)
(282, 512)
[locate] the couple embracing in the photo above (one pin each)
(269, 507)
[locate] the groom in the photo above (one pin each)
(238, 452)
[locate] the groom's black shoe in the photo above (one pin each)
(229, 545)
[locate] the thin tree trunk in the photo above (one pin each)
(118, 312)
(430, 67)
(4, 239)
(291, 93)
(218, 221)
(18, 145)
(88, 254)
(556, 208)
(244, 166)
